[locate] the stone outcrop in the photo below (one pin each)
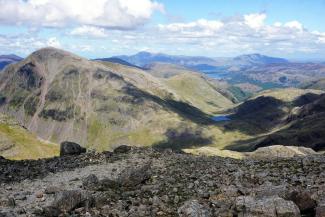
(145, 182)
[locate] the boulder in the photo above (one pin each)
(71, 148)
(135, 175)
(303, 201)
(69, 200)
(90, 182)
(266, 207)
(193, 208)
(122, 149)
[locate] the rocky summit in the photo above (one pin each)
(148, 182)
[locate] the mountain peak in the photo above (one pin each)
(47, 53)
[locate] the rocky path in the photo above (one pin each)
(144, 182)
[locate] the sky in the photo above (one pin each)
(214, 28)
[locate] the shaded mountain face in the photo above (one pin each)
(290, 117)
(60, 96)
(8, 59)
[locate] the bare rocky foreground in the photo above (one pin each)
(145, 182)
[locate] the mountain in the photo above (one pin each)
(8, 59)
(199, 62)
(117, 60)
(277, 75)
(257, 59)
(197, 85)
(17, 143)
(60, 96)
(291, 117)
(144, 58)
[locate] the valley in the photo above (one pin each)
(160, 108)
(103, 103)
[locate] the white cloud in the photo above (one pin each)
(120, 14)
(198, 28)
(255, 21)
(89, 31)
(244, 34)
(294, 25)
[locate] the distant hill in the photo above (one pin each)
(291, 117)
(253, 59)
(117, 60)
(8, 59)
(317, 85)
(199, 62)
(144, 58)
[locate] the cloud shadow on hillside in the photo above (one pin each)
(181, 139)
(183, 109)
(256, 116)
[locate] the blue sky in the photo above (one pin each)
(102, 28)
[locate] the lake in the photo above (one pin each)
(220, 118)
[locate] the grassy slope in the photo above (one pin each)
(17, 143)
(199, 92)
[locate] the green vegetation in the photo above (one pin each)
(17, 143)
(30, 105)
(103, 105)
(199, 92)
(17, 101)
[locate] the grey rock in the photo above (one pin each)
(90, 182)
(108, 184)
(122, 149)
(71, 148)
(266, 207)
(66, 201)
(320, 211)
(7, 214)
(303, 200)
(52, 189)
(193, 208)
(133, 176)
(7, 202)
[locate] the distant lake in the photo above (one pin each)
(220, 118)
(216, 75)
